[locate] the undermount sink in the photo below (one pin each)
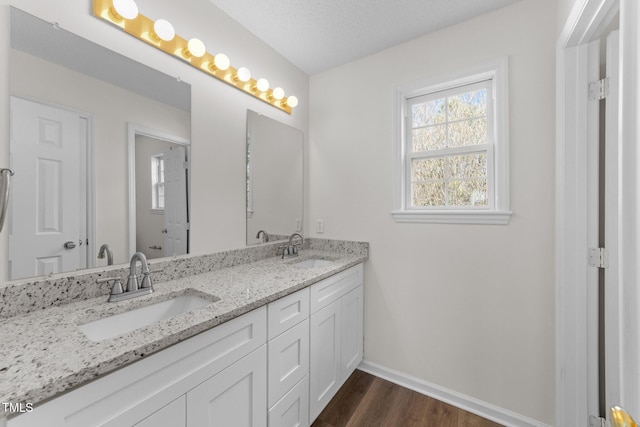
(118, 324)
(312, 263)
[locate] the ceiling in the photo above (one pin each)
(316, 35)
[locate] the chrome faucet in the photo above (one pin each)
(105, 248)
(291, 250)
(265, 236)
(132, 281)
(132, 289)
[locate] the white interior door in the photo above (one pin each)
(612, 308)
(45, 211)
(175, 195)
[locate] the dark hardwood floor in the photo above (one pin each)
(368, 401)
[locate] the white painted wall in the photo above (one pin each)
(218, 119)
(467, 307)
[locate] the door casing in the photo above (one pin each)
(574, 171)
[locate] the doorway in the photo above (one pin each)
(158, 193)
(596, 295)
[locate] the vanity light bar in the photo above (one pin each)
(160, 34)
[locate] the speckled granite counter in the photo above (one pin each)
(44, 353)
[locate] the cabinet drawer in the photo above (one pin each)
(293, 409)
(287, 311)
(330, 289)
(288, 360)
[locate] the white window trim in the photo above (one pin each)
(500, 214)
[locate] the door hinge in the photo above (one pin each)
(599, 89)
(187, 226)
(598, 257)
(597, 421)
(185, 164)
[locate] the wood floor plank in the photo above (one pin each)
(347, 399)
(368, 401)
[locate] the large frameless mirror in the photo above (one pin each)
(274, 179)
(73, 103)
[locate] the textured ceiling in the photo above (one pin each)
(316, 35)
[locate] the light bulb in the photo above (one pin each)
(292, 101)
(278, 93)
(164, 30)
(243, 74)
(262, 85)
(196, 48)
(125, 9)
(221, 61)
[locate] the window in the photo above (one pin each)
(157, 182)
(451, 149)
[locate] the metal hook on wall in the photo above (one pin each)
(5, 181)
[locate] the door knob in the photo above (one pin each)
(69, 245)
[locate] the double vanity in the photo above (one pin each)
(238, 338)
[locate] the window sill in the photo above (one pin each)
(454, 217)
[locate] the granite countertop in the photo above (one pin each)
(44, 353)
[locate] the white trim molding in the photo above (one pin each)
(454, 217)
(459, 400)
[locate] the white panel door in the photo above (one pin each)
(612, 295)
(45, 205)
(175, 201)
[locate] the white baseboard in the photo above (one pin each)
(459, 400)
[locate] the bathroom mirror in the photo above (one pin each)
(60, 82)
(274, 179)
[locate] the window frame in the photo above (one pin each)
(497, 211)
(156, 183)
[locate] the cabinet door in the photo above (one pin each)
(352, 331)
(236, 397)
(293, 409)
(172, 415)
(325, 372)
(288, 360)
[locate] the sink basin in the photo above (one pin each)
(312, 263)
(121, 323)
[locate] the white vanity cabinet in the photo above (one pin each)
(278, 365)
(288, 355)
(336, 335)
(161, 389)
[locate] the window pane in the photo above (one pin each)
(427, 169)
(428, 113)
(468, 105)
(467, 193)
(467, 166)
(428, 194)
(468, 132)
(429, 138)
